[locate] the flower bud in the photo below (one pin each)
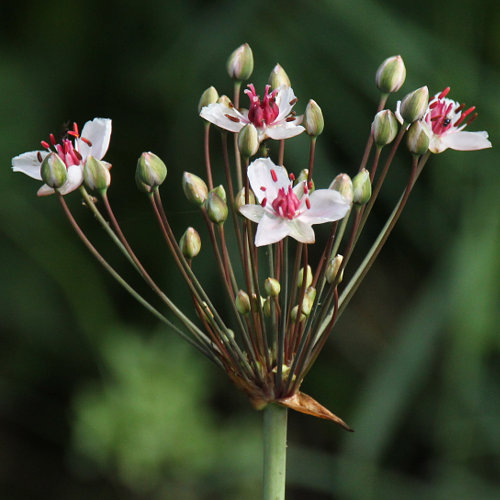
(272, 287)
(150, 172)
(190, 243)
(362, 187)
(96, 174)
(216, 208)
(221, 192)
(294, 312)
(266, 307)
(309, 277)
(239, 201)
(332, 269)
(313, 119)
(54, 172)
(256, 303)
(195, 189)
(209, 96)
(243, 302)
(240, 63)
(384, 128)
(224, 99)
(343, 184)
(308, 301)
(414, 105)
(303, 175)
(248, 140)
(278, 77)
(417, 138)
(391, 75)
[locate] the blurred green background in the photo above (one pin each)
(99, 401)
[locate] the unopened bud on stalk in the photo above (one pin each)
(391, 75)
(209, 96)
(343, 184)
(303, 175)
(53, 171)
(384, 127)
(332, 269)
(190, 243)
(307, 304)
(256, 303)
(248, 140)
(221, 192)
(417, 138)
(224, 99)
(150, 172)
(266, 307)
(362, 187)
(278, 77)
(240, 63)
(414, 105)
(195, 189)
(243, 302)
(309, 277)
(240, 199)
(272, 287)
(96, 175)
(216, 208)
(313, 119)
(294, 312)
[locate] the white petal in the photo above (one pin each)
(28, 163)
(301, 231)
(217, 113)
(327, 205)
(98, 132)
(284, 130)
(466, 141)
(284, 97)
(271, 229)
(259, 175)
(45, 190)
(252, 212)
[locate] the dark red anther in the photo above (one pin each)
(86, 141)
(444, 93)
(291, 177)
(472, 118)
(293, 101)
(308, 203)
(39, 156)
(290, 119)
(306, 189)
(264, 202)
(464, 116)
(74, 132)
(273, 175)
(263, 188)
(462, 106)
(45, 144)
(232, 118)
(78, 155)
(310, 184)
(433, 104)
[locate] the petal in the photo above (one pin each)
(466, 141)
(271, 229)
(284, 130)
(259, 175)
(253, 212)
(45, 190)
(217, 113)
(73, 181)
(301, 231)
(327, 205)
(28, 164)
(284, 97)
(98, 132)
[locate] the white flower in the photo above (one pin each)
(446, 120)
(94, 140)
(285, 210)
(272, 116)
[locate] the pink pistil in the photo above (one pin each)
(286, 204)
(262, 112)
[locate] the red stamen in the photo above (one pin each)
(472, 118)
(273, 175)
(293, 101)
(290, 119)
(444, 93)
(52, 139)
(86, 141)
(291, 177)
(264, 202)
(39, 156)
(232, 118)
(78, 155)
(308, 203)
(45, 144)
(263, 188)
(310, 185)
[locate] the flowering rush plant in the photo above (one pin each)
(283, 305)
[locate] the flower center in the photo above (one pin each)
(445, 114)
(286, 204)
(265, 111)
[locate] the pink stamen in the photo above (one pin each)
(52, 139)
(263, 188)
(444, 93)
(291, 177)
(45, 144)
(286, 204)
(273, 175)
(86, 141)
(263, 112)
(264, 202)
(308, 203)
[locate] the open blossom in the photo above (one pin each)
(285, 210)
(272, 115)
(446, 120)
(74, 151)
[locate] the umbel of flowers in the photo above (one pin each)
(283, 303)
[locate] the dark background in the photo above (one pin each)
(99, 401)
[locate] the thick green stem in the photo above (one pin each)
(275, 427)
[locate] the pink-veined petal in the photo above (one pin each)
(271, 230)
(259, 175)
(466, 141)
(327, 205)
(217, 113)
(29, 164)
(301, 231)
(98, 132)
(253, 212)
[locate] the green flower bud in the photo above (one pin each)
(343, 184)
(266, 307)
(384, 128)
(278, 77)
(309, 277)
(256, 302)
(417, 138)
(240, 63)
(54, 172)
(362, 187)
(332, 269)
(224, 99)
(294, 312)
(272, 287)
(240, 199)
(150, 172)
(308, 301)
(248, 140)
(243, 302)
(313, 119)
(391, 75)
(221, 192)
(414, 105)
(96, 175)
(216, 208)
(195, 189)
(190, 243)
(209, 96)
